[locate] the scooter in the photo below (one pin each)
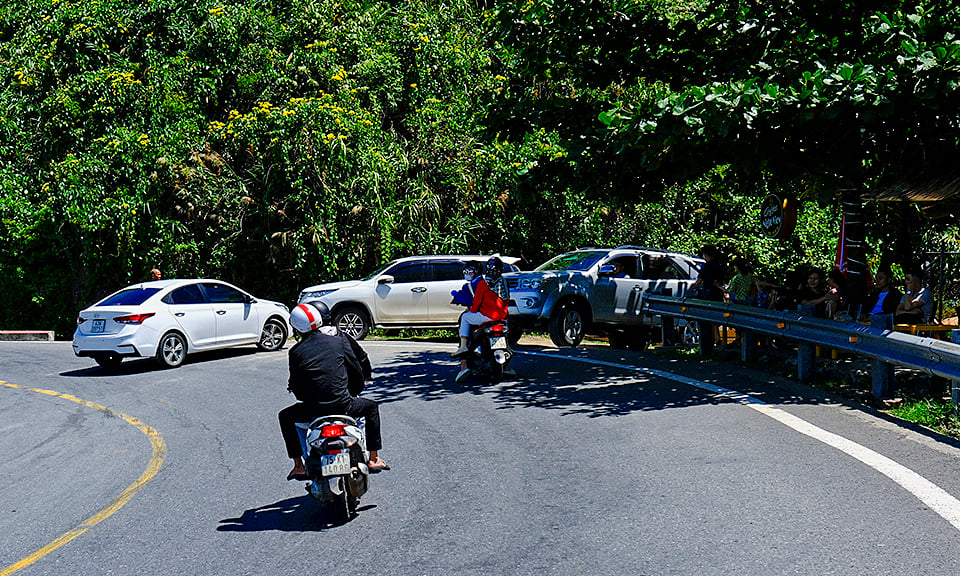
(336, 461)
(488, 352)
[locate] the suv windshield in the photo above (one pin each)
(380, 270)
(129, 297)
(580, 260)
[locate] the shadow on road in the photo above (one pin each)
(135, 366)
(590, 389)
(303, 514)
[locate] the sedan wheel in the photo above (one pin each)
(273, 337)
(172, 350)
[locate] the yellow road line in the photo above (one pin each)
(159, 453)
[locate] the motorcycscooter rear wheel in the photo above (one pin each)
(341, 503)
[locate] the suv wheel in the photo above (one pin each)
(566, 326)
(353, 321)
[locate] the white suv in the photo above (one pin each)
(410, 292)
(599, 290)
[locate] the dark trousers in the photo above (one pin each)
(306, 413)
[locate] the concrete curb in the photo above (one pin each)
(26, 335)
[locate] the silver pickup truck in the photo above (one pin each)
(598, 291)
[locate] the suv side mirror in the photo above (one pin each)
(385, 279)
(607, 271)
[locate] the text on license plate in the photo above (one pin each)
(335, 464)
(98, 326)
(498, 342)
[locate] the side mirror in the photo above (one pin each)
(385, 279)
(249, 299)
(607, 271)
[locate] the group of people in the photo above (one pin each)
(828, 292)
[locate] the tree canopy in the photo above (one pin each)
(278, 144)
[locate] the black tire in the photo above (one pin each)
(172, 350)
(567, 326)
(354, 321)
(493, 371)
(690, 334)
(108, 361)
(274, 335)
(340, 506)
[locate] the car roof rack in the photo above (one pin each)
(647, 248)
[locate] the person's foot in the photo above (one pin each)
(377, 465)
(298, 473)
(462, 375)
(460, 350)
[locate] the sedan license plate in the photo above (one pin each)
(498, 343)
(98, 326)
(335, 464)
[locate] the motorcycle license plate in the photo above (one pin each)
(98, 326)
(335, 464)
(498, 343)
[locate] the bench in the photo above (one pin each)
(938, 331)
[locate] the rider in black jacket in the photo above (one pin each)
(328, 370)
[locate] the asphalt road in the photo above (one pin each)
(604, 462)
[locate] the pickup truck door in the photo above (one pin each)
(618, 299)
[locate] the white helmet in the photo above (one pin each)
(308, 316)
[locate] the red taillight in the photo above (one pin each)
(80, 320)
(497, 329)
(332, 431)
(133, 318)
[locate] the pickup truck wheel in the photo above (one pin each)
(690, 334)
(566, 326)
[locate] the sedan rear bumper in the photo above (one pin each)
(124, 346)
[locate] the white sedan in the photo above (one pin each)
(166, 319)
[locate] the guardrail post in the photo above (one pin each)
(706, 338)
(955, 384)
(882, 372)
(748, 345)
(806, 353)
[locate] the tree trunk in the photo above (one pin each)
(857, 272)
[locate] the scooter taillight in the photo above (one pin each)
(496, 329)
(332, 431)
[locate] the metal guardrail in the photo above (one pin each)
(927, 354)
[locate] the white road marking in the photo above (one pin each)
(936, 498)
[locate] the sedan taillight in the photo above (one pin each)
(133, 318)
(80, 320)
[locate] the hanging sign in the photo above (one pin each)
(778, 216)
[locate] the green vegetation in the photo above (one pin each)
(935, 414)
(278, 144)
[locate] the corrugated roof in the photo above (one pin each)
(920, 190)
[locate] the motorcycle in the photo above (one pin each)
(336, 461)
(488, 352)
